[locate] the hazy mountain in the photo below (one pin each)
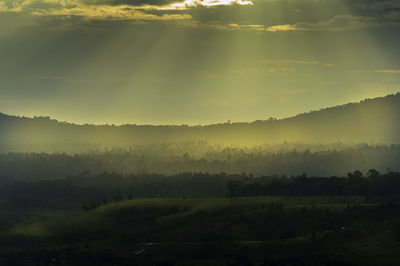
(369, 121)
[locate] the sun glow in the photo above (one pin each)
(207, 3)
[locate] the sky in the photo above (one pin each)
(193, 61)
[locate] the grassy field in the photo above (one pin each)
(221, 231)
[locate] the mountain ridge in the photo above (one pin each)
(10, 116)
(374, 120)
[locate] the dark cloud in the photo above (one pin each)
(129, 2)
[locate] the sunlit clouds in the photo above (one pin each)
(207, 3)
(169, 10)
(337, 23)
(99, 10)
(388, 71)
(281, 28)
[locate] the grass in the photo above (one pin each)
(283, 227)
(51, 223)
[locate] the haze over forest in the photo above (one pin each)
(331, 141)
(372, 121)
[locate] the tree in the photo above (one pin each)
(355, 175)
(117, 196)
(372, 173)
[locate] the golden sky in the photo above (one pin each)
(166, 61)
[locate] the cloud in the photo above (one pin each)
(288, 69)
(280, 66)
(286, 27)
(337, 23)
(112, 9)
(300, 62)
(388, 71)
(393, 15)
(207, 3)
(76, 8)
(375, 4)
(262, 71)
(169, 4)
(310, 63)
(127, 2)
(106, 12)
(258, 71)
(189, 15)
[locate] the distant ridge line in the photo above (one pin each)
(311, 112)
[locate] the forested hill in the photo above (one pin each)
(370, 121)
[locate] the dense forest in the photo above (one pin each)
(373, 121)
(90, 191)
(169, 159)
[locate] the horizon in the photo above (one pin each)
(194, 124)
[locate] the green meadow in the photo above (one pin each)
(216, 231)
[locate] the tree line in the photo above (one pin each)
(372, 184)
(89, 191)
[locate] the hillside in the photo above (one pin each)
(216, 231)
(370, 121)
